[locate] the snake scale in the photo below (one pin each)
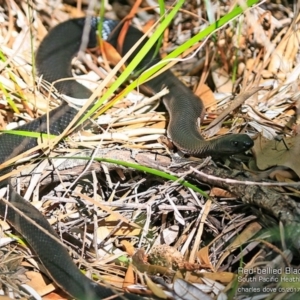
(53, 62)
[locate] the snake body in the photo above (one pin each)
(53, 61)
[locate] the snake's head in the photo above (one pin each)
(233, 144)
(222, 146)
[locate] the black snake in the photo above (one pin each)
(53, 61)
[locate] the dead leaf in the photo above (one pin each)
(128, 247)
(283, 58)
(241, 239)
(207, 97)
(170, 234)
(55, 296)
(185, 290)
(38, 283)
(224, 277)
(222, 80)
(129, 277)
(111, 53)
(218, 192)
(203, 255)
(270, 153)
(157, 291)
(36, 280)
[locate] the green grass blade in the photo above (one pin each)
(134, 63)
(195, 39)
(29, 134)
(146, 170)
(176, 53)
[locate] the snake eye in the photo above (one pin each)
(235, 144)
(244, 143)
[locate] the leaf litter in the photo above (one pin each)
(209, 241)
